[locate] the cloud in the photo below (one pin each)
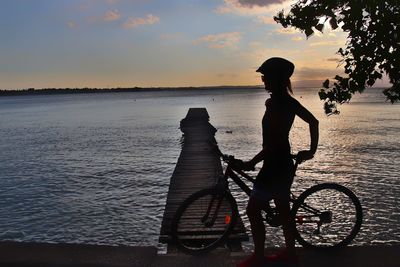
(251, 7)
(327, 43)
(266, 19)
(227, 75)
(258, 3)
(333, 59)
(288, 31)
(297, 39)
(72, 24)
(223, 10)
(111, 2)
(132, 22)
(222, 40)
(112, 15)
(315, 73)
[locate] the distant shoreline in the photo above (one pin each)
(86, 90)
(53, 91)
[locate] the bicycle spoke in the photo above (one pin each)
(204, 222)
(327, 217)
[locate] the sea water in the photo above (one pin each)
(95, 168)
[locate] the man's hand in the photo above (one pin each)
(304, 155)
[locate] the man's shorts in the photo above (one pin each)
(264, 195)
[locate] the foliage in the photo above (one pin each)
(372, 47)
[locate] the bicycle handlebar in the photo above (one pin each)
(227, 158)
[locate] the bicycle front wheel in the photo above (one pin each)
(327, 216)
(203, 221)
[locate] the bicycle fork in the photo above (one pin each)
(214, 210)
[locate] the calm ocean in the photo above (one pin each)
(95, 168)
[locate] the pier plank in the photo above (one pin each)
(197, 168)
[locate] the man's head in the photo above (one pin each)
(276, 75)
(276, 67)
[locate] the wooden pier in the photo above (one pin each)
(197, 168)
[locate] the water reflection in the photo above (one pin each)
(96, 169)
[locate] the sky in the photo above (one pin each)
(154, 43)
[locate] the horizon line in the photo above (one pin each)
(141, 87)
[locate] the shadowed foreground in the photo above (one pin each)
(75, 255)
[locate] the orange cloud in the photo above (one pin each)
(327, 43)
(297, 39)
(222, 40)
(287, 31)
(266, 19)
(112, 15)
(251, 7)
(135, 22)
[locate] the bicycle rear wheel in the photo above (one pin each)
(327, 216)
(203, 221)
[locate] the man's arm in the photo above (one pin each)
(249, 165)
(313, 123)
(257, 158)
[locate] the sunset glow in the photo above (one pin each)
(125, 43)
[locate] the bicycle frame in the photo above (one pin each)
(233, 173)
(230, 172)
(271, 215)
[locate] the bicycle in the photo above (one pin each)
(206, 218)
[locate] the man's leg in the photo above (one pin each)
(253, 210)
(288, 224)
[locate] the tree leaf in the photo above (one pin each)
(325, 84)
(333, 23)
(372, 45)
(320, 27)
(308, 32)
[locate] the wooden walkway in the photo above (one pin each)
(198, 167)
